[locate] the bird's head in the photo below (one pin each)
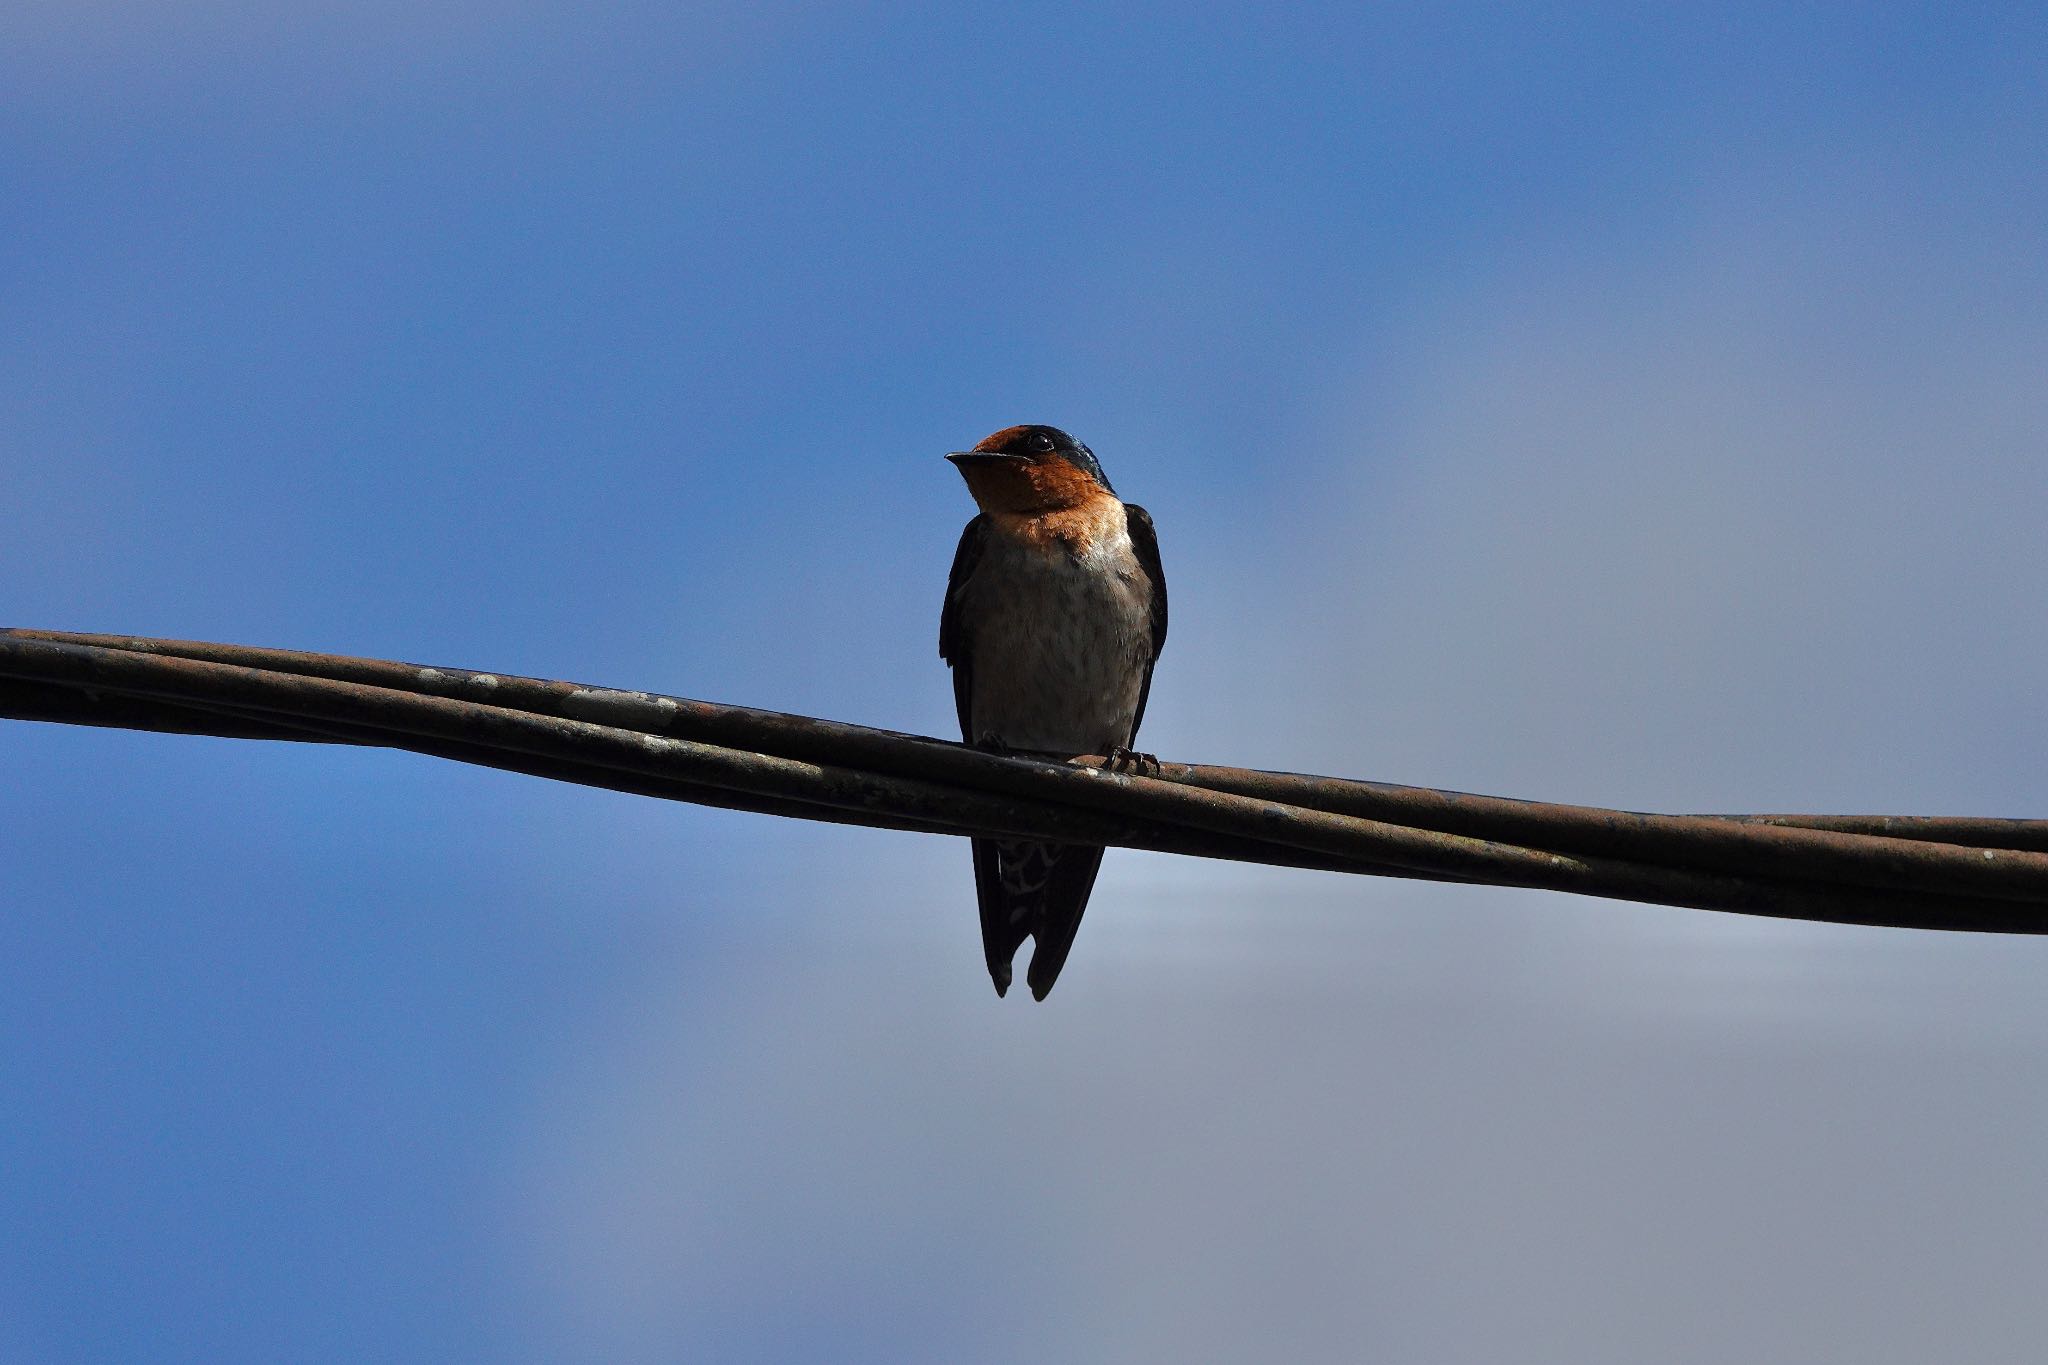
(1031, 469)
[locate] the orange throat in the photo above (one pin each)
(1031, 489)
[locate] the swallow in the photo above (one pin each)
(1055, 613)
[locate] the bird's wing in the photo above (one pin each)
(953, 643)
(1145, 544)
(1001, 933)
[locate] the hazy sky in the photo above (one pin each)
(1590, 404)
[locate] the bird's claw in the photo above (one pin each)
(1123, 760)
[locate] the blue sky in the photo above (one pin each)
(1596, 404)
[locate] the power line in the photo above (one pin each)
(1911, 872)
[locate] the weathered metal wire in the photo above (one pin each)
(1907, 855)
(211, 701)
(1988, 875)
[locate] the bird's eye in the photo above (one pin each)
(1041, 442)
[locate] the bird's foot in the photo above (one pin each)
(1122, 760)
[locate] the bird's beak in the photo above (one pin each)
(969, 459)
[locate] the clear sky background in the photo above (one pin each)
(1639, 406)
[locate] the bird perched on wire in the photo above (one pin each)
(1054, 615)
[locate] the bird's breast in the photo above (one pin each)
(1061, 636)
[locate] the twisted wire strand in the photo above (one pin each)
(1958, 873)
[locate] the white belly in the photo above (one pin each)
(1059, 647)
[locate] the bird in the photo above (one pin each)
(1054, 616)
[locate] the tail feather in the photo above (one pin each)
(1036, 891)
(1001, 933)
(1068, 884)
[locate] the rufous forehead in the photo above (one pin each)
(1002, 439)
